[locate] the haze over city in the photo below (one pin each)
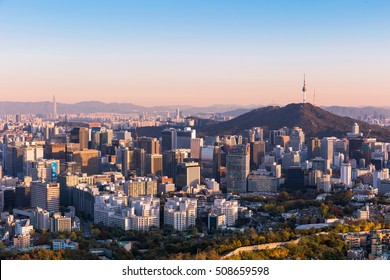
(195, 52)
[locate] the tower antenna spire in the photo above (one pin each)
(314, 98)
(304, 88)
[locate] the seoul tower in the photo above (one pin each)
(304, 89)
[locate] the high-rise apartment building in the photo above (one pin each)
(180, 212)
(144, 213)
(140, 186)
(229, 208)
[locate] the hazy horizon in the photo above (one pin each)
(162, 53)
(235, 106)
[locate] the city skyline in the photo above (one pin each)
(195, 52)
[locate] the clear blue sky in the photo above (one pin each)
(195, 52)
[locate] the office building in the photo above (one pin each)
(89, 160)
(257, 153)
(295, 178)
(346, 174)
(184, 136)
(150, 145)
(168, 139)
(60, 223)
(154, 164)
(313, 148)
(188, 174)
(237, 168)
(297, 138)
(262, 183)
(45, 196)
(216, 221)
(196, 146)
(80, 135)
(22, 197)
(327, 148)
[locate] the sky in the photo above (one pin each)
(196, 52)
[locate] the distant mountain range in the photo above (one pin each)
(7, 107)
(355, 112)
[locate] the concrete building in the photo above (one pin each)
(63, 244)
(384, 186)
(184, 136)
(237, 168)
(324, 183)
(187, 174)
(346, 174)
(180, 213)
(216, 221)
(150, 145)
(22, 241)
(228, 208)
(88, 160)
(297, 138)
(140, 186)
(196, 147)
(144, 213)
(291, 159)
(262, 183)
(60, 223)
(45, 196)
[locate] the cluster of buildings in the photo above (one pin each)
(372, 245)
(104, 173)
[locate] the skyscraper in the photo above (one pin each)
(45, 196)
(54, 107)
(346, 174)
(257, 154)
(183, 138)
(237, 168)
(327, 148)
(297, 138)
(80, 135)
(150, 145)
(168, 139)
(188, 174)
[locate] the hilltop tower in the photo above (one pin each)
(304, 89)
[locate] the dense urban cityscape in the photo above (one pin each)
(150, 131)
(89, 186)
